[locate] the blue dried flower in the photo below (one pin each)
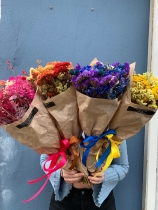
(99, 65)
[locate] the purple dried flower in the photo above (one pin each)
(73, 78)
(127, 68)
(94, 73)
(102, 80)
(94, 82)
(85, 84)
(113, 82)
(78, 67)
(116, 64)
(86, 73)
(105, 80)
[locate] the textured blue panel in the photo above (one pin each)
(116, 30)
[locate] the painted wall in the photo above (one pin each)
(70, 31)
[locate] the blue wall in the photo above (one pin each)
(116, 30)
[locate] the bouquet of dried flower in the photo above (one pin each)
(138, 105)
(144, 90)
(21, 109)
(59, 98)
(99, 88)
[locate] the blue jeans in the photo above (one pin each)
(81, 199)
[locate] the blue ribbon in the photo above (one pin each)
(92, 141)
(104, 156)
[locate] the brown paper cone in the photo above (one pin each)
(94, 116)
(95, 113)
(64, 110)
(130, 117)
(36, 129)
(93, 62)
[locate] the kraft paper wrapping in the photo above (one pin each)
(36, 129)
(130, 117)
(94, 116)
(63, 109)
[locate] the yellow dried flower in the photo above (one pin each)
(155, 92)
(144, 90)
(61, 76)
(34, 72)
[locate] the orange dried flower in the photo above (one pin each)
(52, 79)
(45, 77)
(50, 65)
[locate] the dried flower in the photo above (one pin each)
(52, 79)
(10, 67)
(144, 90)
(15, 99)
(101, 80)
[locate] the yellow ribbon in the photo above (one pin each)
(114, 153)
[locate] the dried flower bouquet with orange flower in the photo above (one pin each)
(53, 82)
(138, 105)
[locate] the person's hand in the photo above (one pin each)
(71, 176)
(96, 179)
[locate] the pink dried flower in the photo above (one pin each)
(15, 99)
(24, 72)
(10, 67)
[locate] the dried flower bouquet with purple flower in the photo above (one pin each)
(101, 80)
(98, 89)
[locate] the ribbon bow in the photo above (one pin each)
(110, 153)
(54, 165)
(92, 141)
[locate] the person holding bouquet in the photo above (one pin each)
(70, 193)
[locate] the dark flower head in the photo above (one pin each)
(74, 71)
(100, 72)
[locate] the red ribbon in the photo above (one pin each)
(53, 159)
